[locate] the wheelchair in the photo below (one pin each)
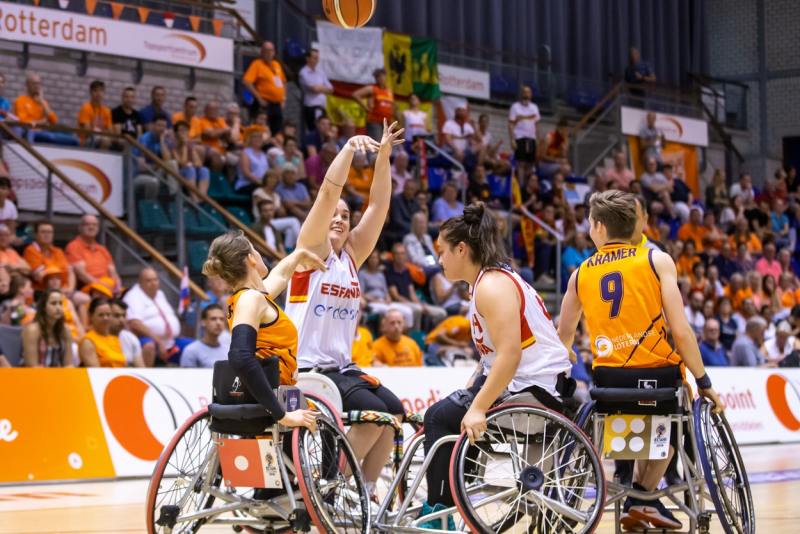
(231, 464)
(631, 411)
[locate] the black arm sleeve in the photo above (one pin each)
(243, 360)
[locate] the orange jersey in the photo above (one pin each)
(457, 327)
(621, 296)
(363, 353)
(738, 298)
(382, 105)
(108, 349)
(279, 338)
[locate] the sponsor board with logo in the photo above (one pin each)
(96, 173)
(115, 422)
(65, 29)
(676, 128)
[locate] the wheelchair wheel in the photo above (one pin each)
(723, 470)
(330, 479)
(326, 408)
(180, 461)
(533, 471)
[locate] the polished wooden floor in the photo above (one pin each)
(118, 507)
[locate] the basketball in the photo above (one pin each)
(349, 14)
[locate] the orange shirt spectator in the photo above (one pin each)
(363, 353)
(30, 111)
(456, 327)
(39, 261)
(268, 79)
(213, 124)
(694, 232)
(753, 243)
(738, 298)
(94, 256)
(402, 353)
(685, 264)
(195, 126)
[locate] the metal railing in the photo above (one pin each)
(559, 239)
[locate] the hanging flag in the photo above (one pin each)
(169, 19)
(36, 2)
(183, 305)
(195, 22)
(412, 64)
(61, 3)
(116, 9)
(526, 224)
(90, 5)
(143, 12)
(217, 23)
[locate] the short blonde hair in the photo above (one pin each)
(616, 210)
(226, 257)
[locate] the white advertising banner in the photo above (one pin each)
(63, 29)
(676, 128)
(464, 82)
(350, 55)
(98, 174)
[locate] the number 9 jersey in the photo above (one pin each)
(621, 295)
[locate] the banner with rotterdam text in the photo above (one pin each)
(65, 29)
(71, 424)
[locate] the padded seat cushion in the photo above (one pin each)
(659, 390)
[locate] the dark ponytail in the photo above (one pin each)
(477, 228)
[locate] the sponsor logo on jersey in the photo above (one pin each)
(603, 346)
(334, 290)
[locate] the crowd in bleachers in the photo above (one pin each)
(735, 248)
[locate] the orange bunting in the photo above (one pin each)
(195, 21)
(90, 5)
(36, 2)
(143, 12)
(116, 9)
(217, 26)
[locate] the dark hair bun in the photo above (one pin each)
(473, 214)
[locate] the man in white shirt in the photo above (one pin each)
(211, 348)
(523, 117)
(458, 138)
(744, 188)
(694, 313)
(152, 319)
(316, 88)
(131, 347)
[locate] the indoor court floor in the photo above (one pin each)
(118, 506)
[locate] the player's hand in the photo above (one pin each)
(572, 356)
(711, 395)
(364, 143)
(306, 418)
(474, 424)
(309, 260)
(390, 137)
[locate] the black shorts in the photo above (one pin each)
(526, 150)
(360, 393)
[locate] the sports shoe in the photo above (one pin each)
(436, 524)
(628, 523)
(656, 513)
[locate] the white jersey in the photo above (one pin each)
(543, 355)
(323, 305)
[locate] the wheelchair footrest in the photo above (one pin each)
(169, 516)
(300, 520)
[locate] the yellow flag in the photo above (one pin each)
(398, 61)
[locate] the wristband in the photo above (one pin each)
(704, 382)
(350, 148)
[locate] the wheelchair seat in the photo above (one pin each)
(656, 391)
(240, 412)
(233, 409)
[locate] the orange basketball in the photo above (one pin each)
(349, 14)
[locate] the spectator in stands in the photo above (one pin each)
(215, 134)
(651, 140)
(746, 311)
(694, 228)
(149, 113)
(655, 185)
(99, 348)
(452, 296)
(744, 189)
(459, 139)
(619, 176)
(5, 105)
(393, 348)
(728, 327)
(316, 88)
(778, 348)
(294, 195)
(207, 350)
(780, 224)
(33, 109)
(638, 71)
(788, 264)
(128, 342)
(768, 264)
(217, 290)
(287, 226)
(235, 141)
(711, 350)
(363, 352)
(401, 208)
(266, 81)
(317, 166)
(94, 116)
(717, 193)
(292, 154)
(745, 352)
(714, 289)
(554, 150)
(91, 260)
(42, 254)
(725, 262)
(347, 130)
(374, 291)
(452, 334)
(151, 317)
(754, 281)
(401, 288)
(47, 341)
(380, 105)
(125, 119)
(189, 116)
(694, 313)
(490, 151)
(446, 206)
(263, 226)
(188, 156)
(400, 173)
(8, 210)
(156, 140)
(419, 245)
(414, 120)
(253, 165)
(320, 134)
(576, 252)
(16, 308)
(523, 118)
(679, 193)
(359, 181)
